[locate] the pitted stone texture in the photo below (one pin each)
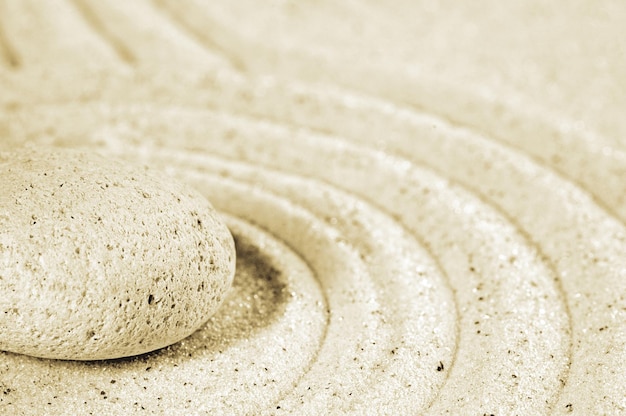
(99, 259)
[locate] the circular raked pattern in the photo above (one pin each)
(388, 261)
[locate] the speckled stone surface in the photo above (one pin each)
(100, 259)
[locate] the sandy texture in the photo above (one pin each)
(437, 190)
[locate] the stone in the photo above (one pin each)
(100, 259)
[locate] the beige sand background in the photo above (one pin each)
(437, 190)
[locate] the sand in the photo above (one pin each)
(427, 199)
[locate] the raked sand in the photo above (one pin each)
(427, 198)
